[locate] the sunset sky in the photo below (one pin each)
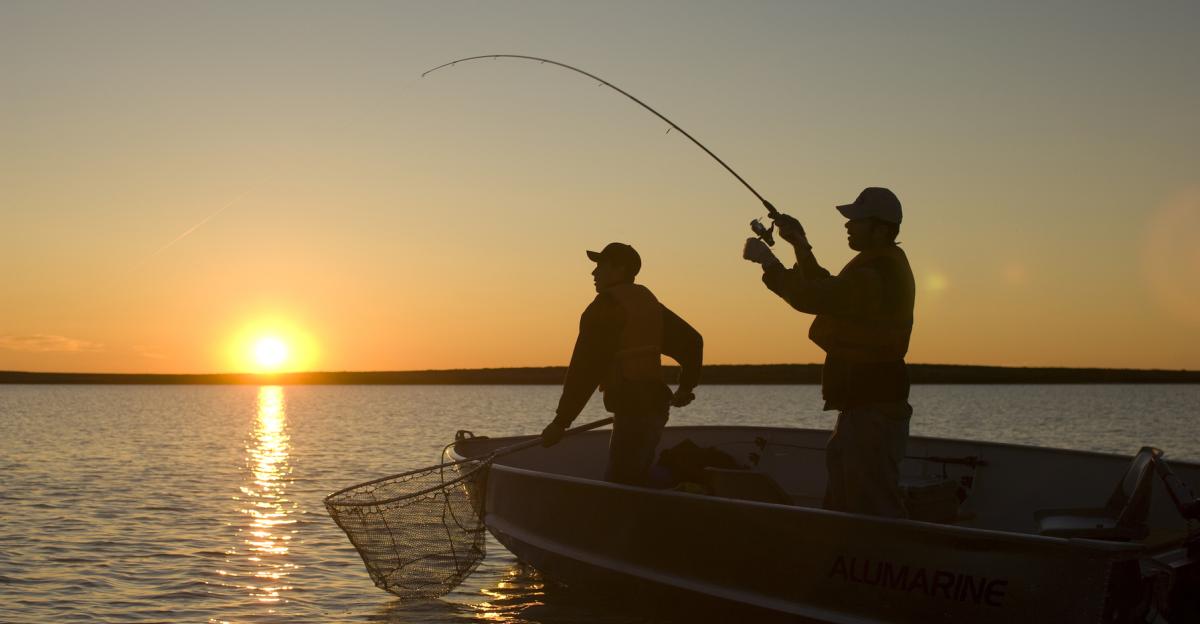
(181, 181)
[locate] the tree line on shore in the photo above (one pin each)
(721, 374)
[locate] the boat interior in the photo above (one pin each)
(1003, 487)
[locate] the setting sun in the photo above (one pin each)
(271, 344)
(270, 352)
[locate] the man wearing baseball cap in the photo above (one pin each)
(622, 336)
(863, 321)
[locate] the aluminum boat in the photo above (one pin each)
(997, 532)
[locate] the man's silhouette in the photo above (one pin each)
(622, 335)
(864, 317)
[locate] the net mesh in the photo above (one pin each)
(420, 533)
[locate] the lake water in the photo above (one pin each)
(203, 503)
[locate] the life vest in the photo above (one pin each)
(640, 346)
(873, 335)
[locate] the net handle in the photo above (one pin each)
(520, 446)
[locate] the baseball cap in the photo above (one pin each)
(618, 253)
(874, 201)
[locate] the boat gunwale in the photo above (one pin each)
(1014, 445)
(926, 527)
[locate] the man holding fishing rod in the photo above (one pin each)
(863, 321)
(622, 336)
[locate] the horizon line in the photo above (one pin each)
(564, 366)
(715, 374)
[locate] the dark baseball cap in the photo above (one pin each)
(618, 253)
(876, 202)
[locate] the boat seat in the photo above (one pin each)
(1123, 518)
(745, 485)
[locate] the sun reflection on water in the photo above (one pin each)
(520, 588)
(260, 559)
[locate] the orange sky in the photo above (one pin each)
(182, 180)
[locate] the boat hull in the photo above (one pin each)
(802, 562)
(811, 563)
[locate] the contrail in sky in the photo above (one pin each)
(195, 227)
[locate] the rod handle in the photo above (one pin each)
(520, 446)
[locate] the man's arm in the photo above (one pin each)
(807, 265)
(791, 231)
(599, 332)
(682, 343)
(848, 293)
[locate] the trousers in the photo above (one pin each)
(863, 458)
(637, 430)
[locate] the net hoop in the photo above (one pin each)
(333, 499)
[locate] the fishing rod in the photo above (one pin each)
(759, 229)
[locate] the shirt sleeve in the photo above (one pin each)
(817, 292)
(595, 347)
(682, 343)
(808, 266)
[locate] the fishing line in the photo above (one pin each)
(770, 209)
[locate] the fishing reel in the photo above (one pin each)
(785, 222)
(767, 234)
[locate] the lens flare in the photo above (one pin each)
(1171, 257)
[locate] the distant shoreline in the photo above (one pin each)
(722, 374)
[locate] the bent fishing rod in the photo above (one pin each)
(759, 229)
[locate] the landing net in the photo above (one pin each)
(420, 533)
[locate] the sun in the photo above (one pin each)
(269, 345)
(270, 353)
